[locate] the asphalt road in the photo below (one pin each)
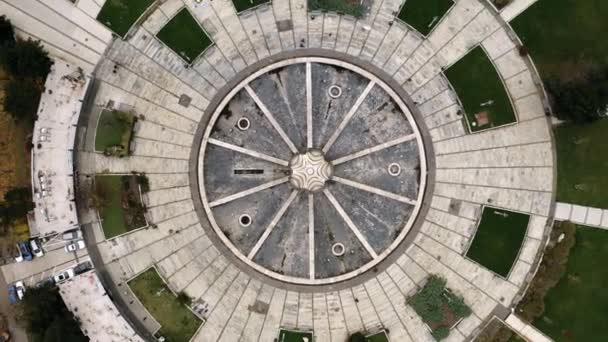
(17, 333)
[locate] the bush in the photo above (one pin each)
(27, 59)
(357, 337)
(22, 99)
(551, 270)
(7, 33)
(441, 333)
(428, 302)
(500, 4)
(144, 182)
(583, 100)
(184, 299)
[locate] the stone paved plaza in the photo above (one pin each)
(397, 181)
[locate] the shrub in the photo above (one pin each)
(441, 333)
(27, 59)
(428, 302)
(500, 4)
(184, 299)
(357, 337)
(143, 182)
(551, 270)
(582, 100)
(7, 33)
(22, 99)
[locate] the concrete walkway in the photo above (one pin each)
(526, 330)
(515, 8)
(578, 214)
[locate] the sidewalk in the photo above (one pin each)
(578, 214)
(526, 330)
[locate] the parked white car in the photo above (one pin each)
(63, 276)
(20, 289)
(74, 246)
(19, 257)
(72, 234)
(36, 250)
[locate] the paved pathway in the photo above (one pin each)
(587, 216)
(526, 330)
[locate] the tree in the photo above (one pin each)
(17, 203)
(22, 99)
(7, 33)
(64, 329)
(583, 100)
(45, 315)
(27, 59)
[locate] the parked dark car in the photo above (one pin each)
(12, 294)
(24, 248)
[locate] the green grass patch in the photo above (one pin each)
(438, 307)
(178, 323)
(582, 164)
(294, 336)
(118, 201)
(575, 309)
(498, 239)
(120, 15)
(243, 5)
(185, 36)
(565, 37)
(350, 7)
(423, 15)
(483, 96)
(114, 132)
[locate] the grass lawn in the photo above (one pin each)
(582, 163)
(350, 7)
(120, 15)
(498, 239)
(114, 132)
(113, 192)
(294, 336)
(185, 36)
(565, 37)
(577, 307)
(178, 323)
(242, 5)
(476, 82)
(423, 15)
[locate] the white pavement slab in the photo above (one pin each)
(588, 216)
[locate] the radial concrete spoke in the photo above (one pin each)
(309, 137)
(271, 118)
(272, 224)
(248, 192)
(350, 223)
(376, 148)
(248, 152)
(311, 235)
(374, 190)
(348, 116)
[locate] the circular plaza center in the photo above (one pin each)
(311, 171)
